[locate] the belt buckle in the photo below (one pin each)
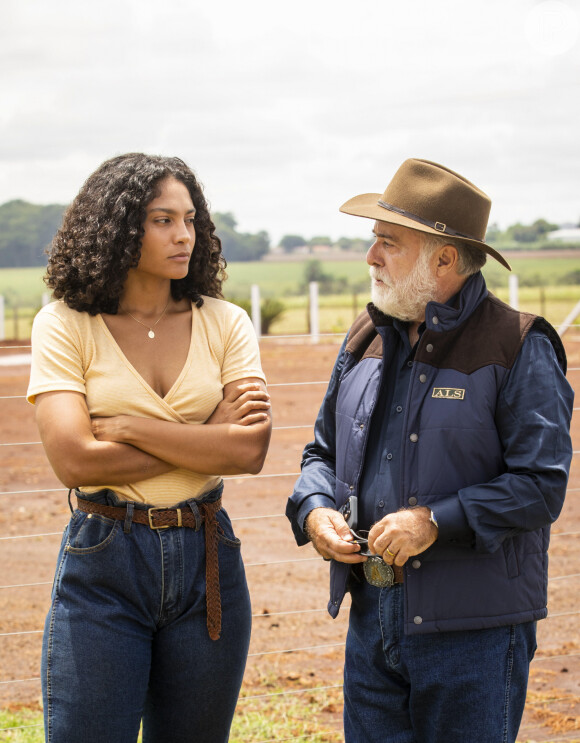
(378, 573)
(163, 526)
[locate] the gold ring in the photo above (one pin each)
(388, 551)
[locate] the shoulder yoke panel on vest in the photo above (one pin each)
(493, 334)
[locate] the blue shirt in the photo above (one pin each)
(379, 485)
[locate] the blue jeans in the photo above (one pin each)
(448, 687)
(126, 637)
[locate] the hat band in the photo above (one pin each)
(439, 226)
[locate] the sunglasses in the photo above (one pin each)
(362, 538)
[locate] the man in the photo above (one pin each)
(445, 432)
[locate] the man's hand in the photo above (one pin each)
(331, 537)
(399, 536)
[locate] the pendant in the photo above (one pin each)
(151, 334)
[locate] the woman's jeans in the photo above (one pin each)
(448, 687)
(126, 637)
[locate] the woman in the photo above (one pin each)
(148, 387)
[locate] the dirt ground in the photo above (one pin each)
(295, 644)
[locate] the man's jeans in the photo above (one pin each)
(126, 636)
(448, 687)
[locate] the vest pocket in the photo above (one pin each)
(512, 562)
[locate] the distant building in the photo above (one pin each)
(565, 234)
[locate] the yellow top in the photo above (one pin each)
(75, 351)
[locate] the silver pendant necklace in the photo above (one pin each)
(151, 333)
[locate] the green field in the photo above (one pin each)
(540, 278)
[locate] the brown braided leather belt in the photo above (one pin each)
(163, 518)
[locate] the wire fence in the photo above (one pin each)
(314, 640)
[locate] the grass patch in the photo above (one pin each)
(282, 279)
(22, 725)
(263, 713)
(22, 287)
(275, 715)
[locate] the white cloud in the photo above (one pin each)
(285, 111)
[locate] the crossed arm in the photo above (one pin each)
(122, 449)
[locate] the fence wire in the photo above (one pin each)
(267, 563)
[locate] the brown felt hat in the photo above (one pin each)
(429, 197)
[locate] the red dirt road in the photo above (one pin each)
(283, 578)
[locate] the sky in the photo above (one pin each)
(286, 110)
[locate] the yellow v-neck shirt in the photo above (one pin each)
(75, 351)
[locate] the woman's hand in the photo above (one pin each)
(236, 444)
(81, 457)
(109, 429)
(243, 404)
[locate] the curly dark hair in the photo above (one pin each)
(102, 231)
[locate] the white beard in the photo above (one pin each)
(405, 298)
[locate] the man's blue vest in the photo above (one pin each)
(450, 442)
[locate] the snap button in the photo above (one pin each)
(435, 320)
(389, 456)
(422, 378)
(418, 620)
(362, 425)
(381, 503)
(351, 487)
(412, 501)
(409, 363)
(429, 347)
(399, 409)
(413, 437)
(416, 564)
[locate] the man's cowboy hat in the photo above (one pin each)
(430, 198)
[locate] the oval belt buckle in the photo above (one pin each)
(378, 573)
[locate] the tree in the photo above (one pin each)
(530, 233)
(354, 244)
(26, 230)
(493, 233)
(270, 310)
(289, 242)
(542, 227)
(572, 277)
(313, 271)
(320, 240)
(237, 246)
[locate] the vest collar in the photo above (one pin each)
(442, 317)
